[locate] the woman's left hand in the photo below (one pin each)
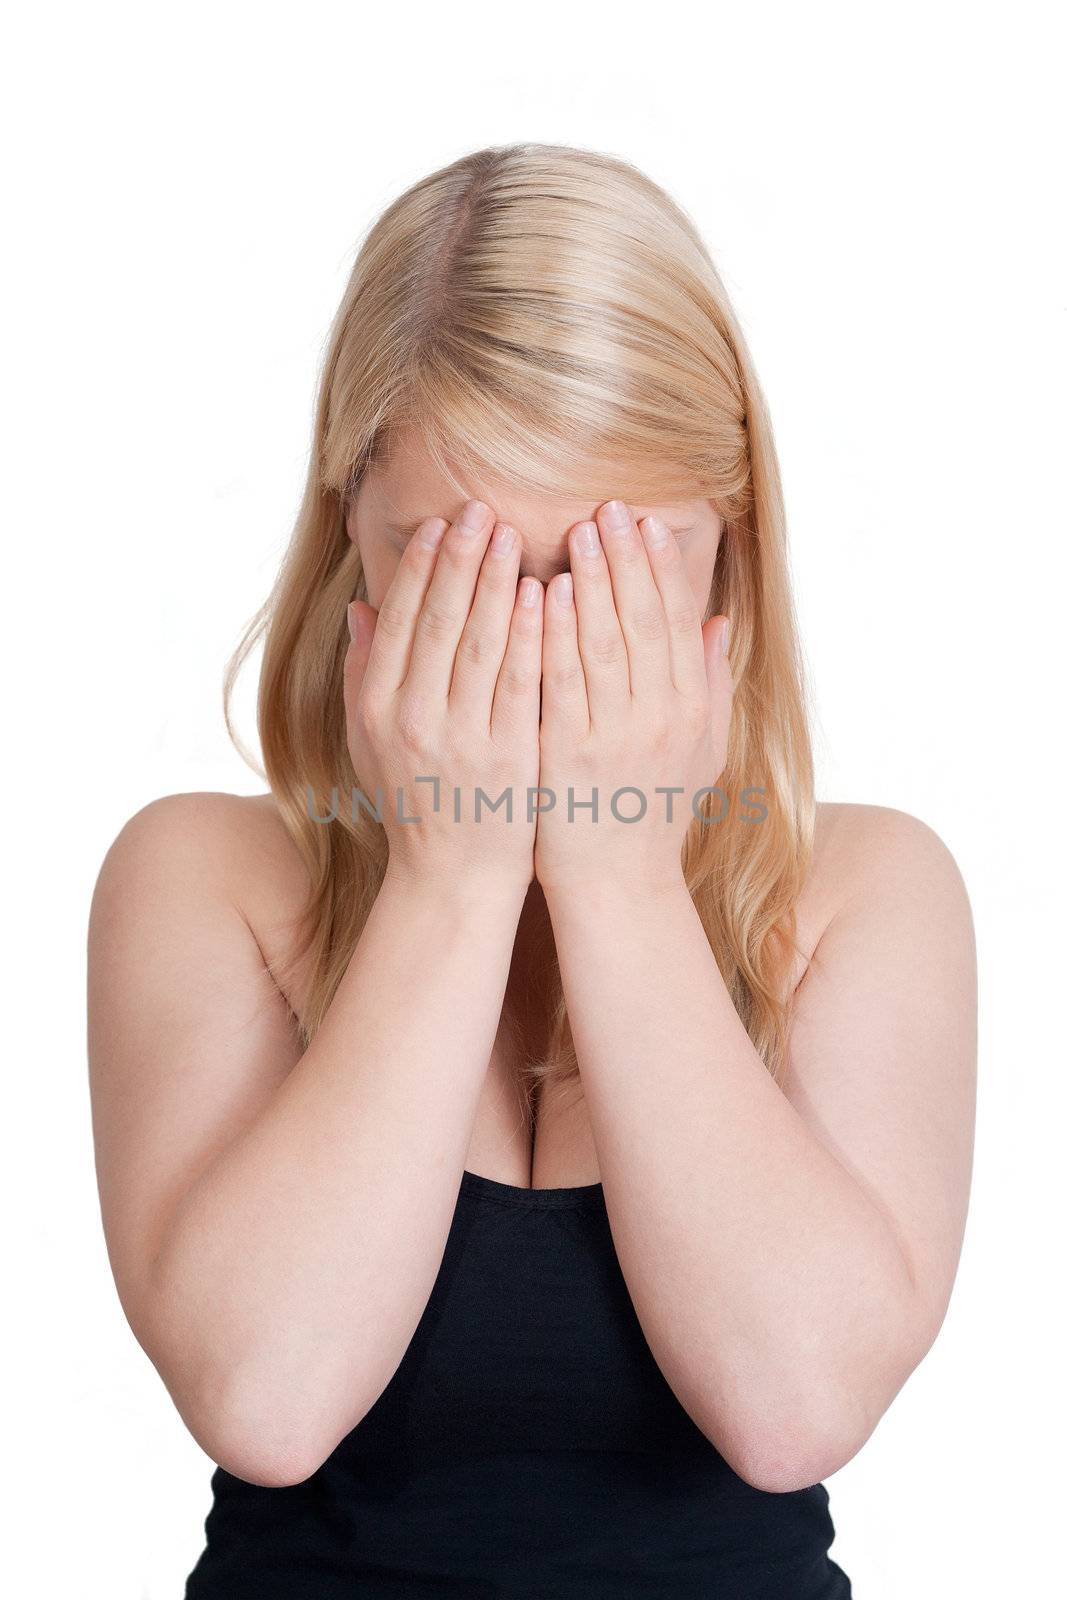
(636, 697)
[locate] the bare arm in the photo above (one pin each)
(276, 1220)
(790, 1254)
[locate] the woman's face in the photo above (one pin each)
(394, 498)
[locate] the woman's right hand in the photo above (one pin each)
(443, 682)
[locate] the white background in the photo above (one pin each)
(186, 189)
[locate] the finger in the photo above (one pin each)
(637, 601)
(485, 634)
(715, 636)
(600, 637)
(394, 635)
(563, 694)
(517, 701)
(361, 625)
(362, 620)
(686, 643)
(447, 603)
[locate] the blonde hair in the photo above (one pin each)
(535, 312)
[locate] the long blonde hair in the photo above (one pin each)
(536, 311)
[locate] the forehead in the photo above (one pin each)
(402, 492)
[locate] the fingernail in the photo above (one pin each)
(587, 538)
(528, 591)
(655, 532)
(724, 638)
(502, 540)
(431, 533)
(563, 589)
(353, 623)
(474, 518)
(615, 515)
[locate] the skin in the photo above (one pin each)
(383, 521)
(276, 1220)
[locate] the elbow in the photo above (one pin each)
(804, 1429)
(268, 1467)
(784, 1463)
(783, 1451)
(248, 1431)
(249, 1417)
(257, 1448)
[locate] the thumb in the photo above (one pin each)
(362, 620)
(716, 636)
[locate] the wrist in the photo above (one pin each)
(611, 892)
(475, 891)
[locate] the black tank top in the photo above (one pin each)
(526, 1448)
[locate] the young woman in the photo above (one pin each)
(532, 1204)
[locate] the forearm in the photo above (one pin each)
(291, 1277)
(771, 1289)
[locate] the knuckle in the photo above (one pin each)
(458, 552)
(369, 712)
(473, 648)
(516, 679)
(629, 552)
(682, 615)
(494, 576)
(392, 618)
(436, 621)
(695, 716)
(606, 647)
(411, 726)
(649, 622)
(564, 675)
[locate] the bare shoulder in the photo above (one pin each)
(862, 850)
(234, 845)
(208, 849)
(209, 821)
